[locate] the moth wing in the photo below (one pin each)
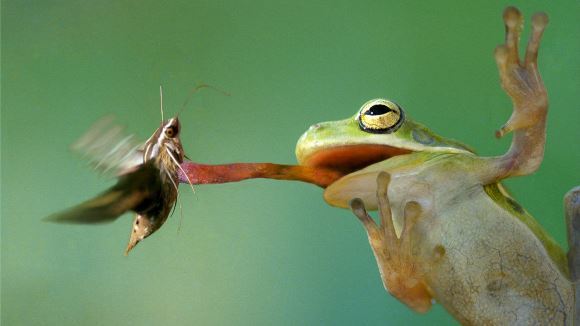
(133, 190)
(109, 149)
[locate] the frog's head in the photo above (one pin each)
(379, 131)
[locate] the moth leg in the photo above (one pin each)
(398, 266)
(522, 82)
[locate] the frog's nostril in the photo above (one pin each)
(315, 127)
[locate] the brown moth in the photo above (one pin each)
(163, 149)
(148, 177)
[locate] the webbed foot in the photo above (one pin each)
(398, 266)
(522, 82)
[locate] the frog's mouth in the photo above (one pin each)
(351, 158)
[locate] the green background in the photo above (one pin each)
(261, 251)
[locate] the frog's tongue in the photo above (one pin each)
(223, 173)
(322, 169)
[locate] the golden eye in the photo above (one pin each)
(380, 117)
(170, 132)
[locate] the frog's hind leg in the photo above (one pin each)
(398, 266)
(522, 82)
(572, 209)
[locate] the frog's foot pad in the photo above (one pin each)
(521, 79)
(398, 266)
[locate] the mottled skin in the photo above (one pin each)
(572, 211)
(448, 231)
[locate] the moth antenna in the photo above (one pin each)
(180, 168)
(180, 215)
(161, 100)
(197, 88)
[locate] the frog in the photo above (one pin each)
(448, 231)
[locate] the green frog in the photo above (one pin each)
(448, 230)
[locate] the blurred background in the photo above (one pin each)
(258, 252)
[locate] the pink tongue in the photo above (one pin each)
(234, 172)
(322, 168)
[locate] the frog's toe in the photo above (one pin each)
(412, 212)
(513, 23)
(501, 58)
(539, 23)
(358, 208)
(505, 129)
(383, 181)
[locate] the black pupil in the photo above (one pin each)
(378, 110)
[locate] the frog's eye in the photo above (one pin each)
(380, 117)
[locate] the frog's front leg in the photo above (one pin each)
(522, 82)
(399, 268)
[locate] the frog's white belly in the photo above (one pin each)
(485, 266)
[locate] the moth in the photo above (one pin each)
(148, 176)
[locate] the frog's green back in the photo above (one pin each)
(499, 194)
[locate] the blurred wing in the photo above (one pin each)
(109, 149)
(139, 188)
